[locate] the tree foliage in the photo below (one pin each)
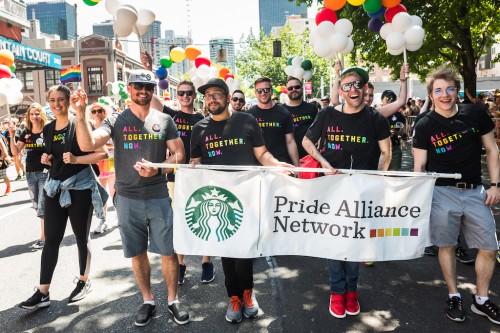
(457, 33)
(256, 59)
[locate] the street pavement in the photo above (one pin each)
(397, 296)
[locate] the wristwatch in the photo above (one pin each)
(495, 184)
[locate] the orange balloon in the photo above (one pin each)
(390, 3)
(334, 4)
(6, 58)
(192, 52)
(223, 71)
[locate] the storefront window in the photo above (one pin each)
(94, 79)
(52, 77)
(26, 78)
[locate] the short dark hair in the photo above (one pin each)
(291, 78)
(370, 85)
(262, 79)
(187, 83)
(60, 88)
(238, 91)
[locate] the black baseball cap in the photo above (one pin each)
(214, 83)
(389, 94)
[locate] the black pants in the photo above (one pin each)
(238, 275)
(56, 218)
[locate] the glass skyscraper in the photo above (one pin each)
(55, 16)
(273, 13)
(222, 52)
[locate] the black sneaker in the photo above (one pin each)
(454, 310)
(182, 273)
(207, 272)
(181, 316)
(144, 315)
(38, 300)
(430, 251)
(81, 290)
(488, 309)
(462, 256)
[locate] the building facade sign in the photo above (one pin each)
(31, 55)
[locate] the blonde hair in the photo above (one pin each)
(43, 115)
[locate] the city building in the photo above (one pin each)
(222, 52)
(274, 13)
(104, 29)
(297, 23)
(162, 47)
(153, 33)
(55, 16)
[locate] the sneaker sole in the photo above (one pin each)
(177, 320)
(251, 315)
(466, 261)
(336, 315)
(458, 320)
(77, 298)
(147, 322)
(352, 313)
(208, 281)
(235, 321)
(481, 313)
(39, 305)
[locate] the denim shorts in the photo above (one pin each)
(453, 208)
(36, 181)
(143, 221)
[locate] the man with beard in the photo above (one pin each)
(238, 100)
(303, 113)
(245, 145)
(141, 135)
(275, 122)
(357, 137)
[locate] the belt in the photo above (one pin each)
(466, 185)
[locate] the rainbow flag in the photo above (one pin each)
(71, 74)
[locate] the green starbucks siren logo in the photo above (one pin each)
(213, 213)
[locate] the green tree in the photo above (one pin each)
(457, 32)
(256, 59)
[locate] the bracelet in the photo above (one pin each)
(495, 184)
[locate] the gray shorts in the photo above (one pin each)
(141, 220)
(453, 208)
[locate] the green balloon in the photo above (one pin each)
(307, 65)
(166, 62)
(289, 61)
(13, 68)
(90, 3)
(372, 6)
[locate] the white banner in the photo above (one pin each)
(257, 213)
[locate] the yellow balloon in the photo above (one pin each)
(356, 2)
(177, 54)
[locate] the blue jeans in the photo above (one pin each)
(36, 181)
(343, 276)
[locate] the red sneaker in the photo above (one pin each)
(7, 191)
(351, 303)
(337, 305)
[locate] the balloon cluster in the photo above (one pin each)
(118, 90)
(10, 87)
(402, 30)
(331, 36)
(128, 19)
(204, 71)
(91, 2)
(301, 69)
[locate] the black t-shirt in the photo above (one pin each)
(351, 138)
(396, 122)
(454, 148)
(60, 170)
(275, 123)
(303, 116)
(184, 123)
(34, 147)
(228, 142)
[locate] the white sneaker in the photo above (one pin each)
(102, 227)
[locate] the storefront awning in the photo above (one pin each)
(30, 57)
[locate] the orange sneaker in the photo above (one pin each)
(250, 305)
(233, 313)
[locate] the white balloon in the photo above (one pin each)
(322, 47)
(14, 97)
(349, 47)
(3, 98)
(338, 41)
(401, 21)
(414, 47)
(386, 30)
(145, 16)
(197, 81)
(283, 98)
(331, 55)
(296, 61)
(229, 81)
(345, 26)
(325, 29)
(15, 84)
(395, 52)
(203, 71)
(313, 37)
(122, 29)
(298, 72)
(414, 35)
(192, 72)
(126, 14)
(395, 40)
(416, 20)
(112, 6)
(289, 70)
(141, 29)
(236, 84)
(214, 72)
(307, 75)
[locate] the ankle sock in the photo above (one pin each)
(172, 302)
(453, 295)
(152, 302)
(481, 299)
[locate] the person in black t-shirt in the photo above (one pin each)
(275, 122)
(243, 145)
(450, 139)
(303, 113)
(357, 137)
(397, 123)
(238, 101)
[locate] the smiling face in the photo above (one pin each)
(352, 89)
(186, 101)
(444, 95)
(369, 96)
(294, 90)
(237, 101)
(141, 96)
(264, 92)
(58, 103)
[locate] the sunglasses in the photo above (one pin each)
(356, 84)
(213, 96)
(187, 93)
(236, 99)
(297, 87)
(263, 90)
(97, 111)
(140, 86)
(449, 91)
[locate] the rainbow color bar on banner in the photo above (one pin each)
(71, 74)
(393, 232)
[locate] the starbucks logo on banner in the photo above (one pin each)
(213, 213)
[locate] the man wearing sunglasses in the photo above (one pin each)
(450, 139)
(357, 137)
(275, 122)
(238, 100)
(141, 135)
(303, 113)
